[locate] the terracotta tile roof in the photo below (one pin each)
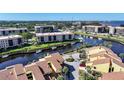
(35, 70)
(44, 66)
(20, 72)
(7, 74)
(19, 69)
(102, 61)
(113, 76)
(58, 57)
(22, 77)
(55, 63)
(118, 63)
(97, 54)
(56, 60)
(108, 54)
(38, 69)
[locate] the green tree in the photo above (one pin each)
(65, 70)
(88, 68)
(34, 40)
(60, 77)
(27, 35)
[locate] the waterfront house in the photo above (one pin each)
(104, 60)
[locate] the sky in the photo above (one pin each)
(62, 16)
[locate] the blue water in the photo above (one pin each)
(26, 59)
(113, 23)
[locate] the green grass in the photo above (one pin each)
(107, 37)
(31, 48)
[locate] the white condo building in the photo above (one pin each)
(45, 29)
(55, 36)
(12, 31)
(94, 29)
(119, 30)
(116, 30)
(111, 30)
(11, 41)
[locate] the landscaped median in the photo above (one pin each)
(33, 48)
(115, 38)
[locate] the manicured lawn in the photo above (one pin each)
(31, 48)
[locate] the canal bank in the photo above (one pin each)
(105, 37)
(28, 49)
(29, 58)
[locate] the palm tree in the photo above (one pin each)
(65, 70)
(34, 40)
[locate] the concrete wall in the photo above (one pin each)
(102, 67)
(117, 68)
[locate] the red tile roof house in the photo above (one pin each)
(37, 71)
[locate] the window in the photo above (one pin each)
(4, 33)
(19, 40)
(112, 69)
(25, 30)
(9, 31)
(50, 39)
(10, 42)
(42, 39)
(63, 37)
(20, 31)
(29, 76)
(70, 37)
(94, 67)
(54, 38)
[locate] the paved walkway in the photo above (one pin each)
(75, 64)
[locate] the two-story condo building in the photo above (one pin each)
(11, 41)
(116, 30)
(45, 29)
(95, 29)
(55, 36)
(119, 31)
(12, 31)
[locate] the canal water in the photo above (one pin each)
(29, 58)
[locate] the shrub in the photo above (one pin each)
(60, 78)
(121, 55)
(70, 59)
(65, 70)
(82, 55)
